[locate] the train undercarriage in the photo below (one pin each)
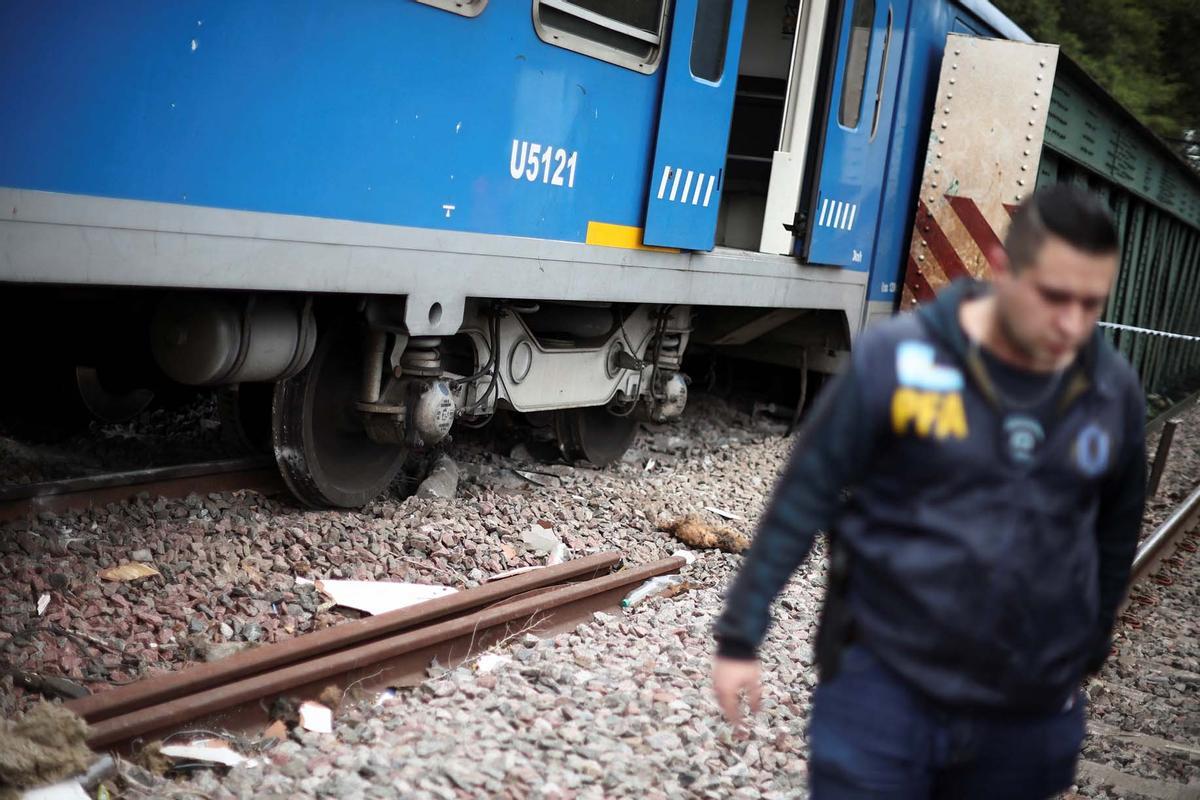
(344, 396)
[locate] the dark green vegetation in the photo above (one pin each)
(1145, 53)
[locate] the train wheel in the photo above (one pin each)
(106, 405)
(593, 434)
(320, 444)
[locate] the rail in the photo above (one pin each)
(20, 500)
(394, 649)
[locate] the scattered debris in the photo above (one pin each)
(540, 538)
(720, 512)
(43, 747)
(441, 482)
(42, 603)
(150, 758)
(316, 717)
(650, 464)
(661, 586)
(379, 597)
(687, 555)
(693, 531)
(542, 479)
(132, 571)
(490, 661)
(47, 685)
(276, 730)
(510, 573)
(215, 751)
(65, 790)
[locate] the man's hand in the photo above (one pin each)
(731, 677)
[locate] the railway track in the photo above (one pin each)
(238, 693)
(225, 475)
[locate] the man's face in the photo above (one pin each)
(1049, 308)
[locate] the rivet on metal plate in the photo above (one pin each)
(1021, 182)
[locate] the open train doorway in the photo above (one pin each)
(777, 91)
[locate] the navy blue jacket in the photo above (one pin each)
(983, 579)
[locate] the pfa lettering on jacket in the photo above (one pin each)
(928, 402)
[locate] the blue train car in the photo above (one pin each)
(409, 213)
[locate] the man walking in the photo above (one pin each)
(980, 470)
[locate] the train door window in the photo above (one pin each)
(887, 46)
(854, 71)
(710, 39)
(468, 8)
(624, 32)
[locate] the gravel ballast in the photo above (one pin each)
(621, 706)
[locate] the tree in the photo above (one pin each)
(1145, 54)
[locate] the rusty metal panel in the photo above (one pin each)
(984, 150)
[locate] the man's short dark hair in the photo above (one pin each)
(1074, 215)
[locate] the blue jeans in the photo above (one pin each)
(871, 736)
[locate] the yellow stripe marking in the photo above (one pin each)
(629, 237)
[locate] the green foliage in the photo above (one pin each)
(1147, 54)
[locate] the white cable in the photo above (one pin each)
(1135, 329)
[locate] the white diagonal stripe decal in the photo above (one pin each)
(708, 191)
(853, 211)
(824, 210)
(699, 185)
(675, 185)
(662, 185)
(687, 185)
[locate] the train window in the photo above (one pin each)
(887, 46)
(624, 32)
(710, 37)
(854, 71)
(468, 8)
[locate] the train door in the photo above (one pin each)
(693, 125)
(845, 205)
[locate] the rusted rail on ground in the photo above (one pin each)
(1161, 544)
(21, 500)
(370, 654)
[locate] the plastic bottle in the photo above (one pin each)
(650, 588)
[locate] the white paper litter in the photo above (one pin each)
(316, 717)
(540, 539)
(489, 661)
(558, 555)
(43, 601)
(686, 555)
(206, 750)
(67, 790)
(651, 464)
(720, 512)
(378, 597)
